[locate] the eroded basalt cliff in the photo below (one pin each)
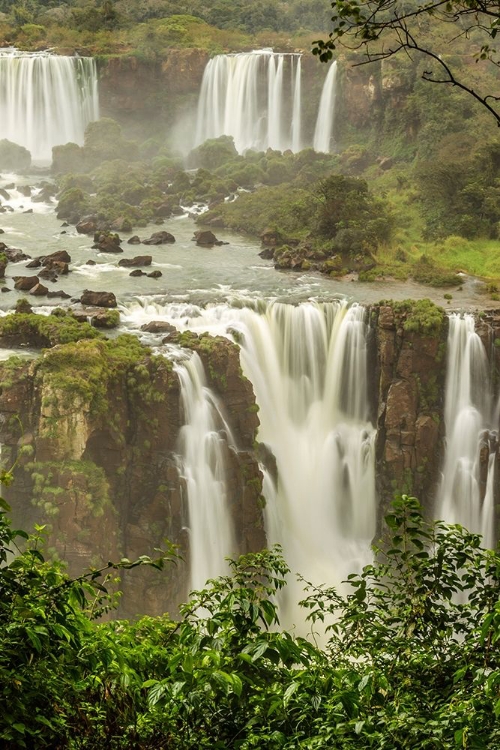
(92, 430)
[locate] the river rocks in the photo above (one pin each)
(58, 294)
(24, 190)
(3, 266)
(35, 263)
(39, 290)
(4, 194)
(25, 283)
(206, 238)
(45, 194)
(159, 238)
(134, 240)
(87, 225)
(159, 326)
(107, 242)
(139, 260)
(98, 299)
(137, 272)
(155, 274)
(98, 318)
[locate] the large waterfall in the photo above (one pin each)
(46, 100)
(466, 495)
(308, 367)
(256, 97)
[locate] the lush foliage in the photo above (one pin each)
(411, 656)
(383, 28)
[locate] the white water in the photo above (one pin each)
(46, 100)
(308, 367)
(203, 442)
(471, 430)
(324, 124)
(255, 97)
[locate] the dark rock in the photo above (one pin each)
(59, 293)
(14, 255)
(107, 242)
(39, 290)
(10, 186)
(58, 266)
(87, 225)
(35, 263)
(155, 274)
(91, 263)
(3, 266)
(25, 283)
(24, 190)
(4, 194)
(206, 238)
(267, 253)
(23, 306)
(5, 289)
(159, 238)
(98, 299)
(28, 211)
(65, 224)
(2, 231)
(135, 240)
(139, 260)
(138, 272)
(48, 274)
(158, 326)
(59, 256)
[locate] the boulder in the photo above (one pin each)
(159, 238)
(206, 238)
(39, 290)
(158, 326)
(59, 293)
(48, 274)
(107, 242)
(87, 225)
(137, 272)
(35, 263)
(91, 263)
(14, 255)
(59, 256)
(25, 283)
(98, 299)
(135, 240)
(46, 193)
(154, 274)
(56, 265)
(139, 260)
(4, 194)
(24, 190)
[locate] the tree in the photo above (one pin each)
(383, 28)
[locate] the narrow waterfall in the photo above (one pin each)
(203, 441)
(308, 366)
(46, 100)
(297, 108)
(466, 494)
(244, 95)
(324, 124)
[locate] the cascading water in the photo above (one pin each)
(324, 123)
(46, 100)
(308, 367)
(466, 494)
(203, 442)
(244, 95)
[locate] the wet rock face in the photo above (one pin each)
(98, 299)
(95, 435)
(411, 373)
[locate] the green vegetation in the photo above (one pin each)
(29, 329)
(411, 657)
(420, 315)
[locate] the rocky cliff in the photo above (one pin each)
(91, 428)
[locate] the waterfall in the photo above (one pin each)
(203, 442)
(308, 366)
(297, 108)
(466, 494)
(244, 95)
(46, 100)
(324, 123)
